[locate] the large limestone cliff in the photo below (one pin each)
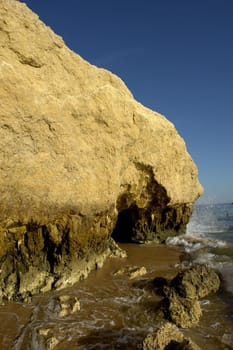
(80, 159)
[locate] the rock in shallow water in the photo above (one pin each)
(80, 159)
(181, 295)
(184, 312)
(131, 271)
(168, 336)
(64, 305)
(196, 282)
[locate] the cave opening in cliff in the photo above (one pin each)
(125, 225)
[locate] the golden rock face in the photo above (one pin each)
(75, 146)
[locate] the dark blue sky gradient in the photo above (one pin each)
(175, 56)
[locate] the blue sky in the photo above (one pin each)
(176, 56)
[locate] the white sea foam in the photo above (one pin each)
(226, 272)
(205, 302)
(182, 241)
(203, 230)
(206, 258)
(193, 242)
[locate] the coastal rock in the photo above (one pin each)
(64, 305)
(46, 339)
(196, 282)
(184, 312)
(168, 336)
(81, 161)
(181, 294)
(51, 343)
(131, 271)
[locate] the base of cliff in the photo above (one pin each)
(36, 259)
(39, 257)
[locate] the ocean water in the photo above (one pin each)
(117, 313)
(209, 239)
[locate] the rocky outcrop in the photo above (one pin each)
(131, 271)
(80, 160)
(180, 306)
(196, 282)
(181, 295)
(64, 305)
(168, 336)
(184, 312)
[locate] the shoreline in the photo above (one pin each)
(20, 316)
(112, 307)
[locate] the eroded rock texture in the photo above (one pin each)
(181, 302)
(198, 281)
(168, 336)
(80, 159)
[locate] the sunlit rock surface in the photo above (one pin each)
(80, 160)
(182, 294)
(168, 336)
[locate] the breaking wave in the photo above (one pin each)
(209, 239)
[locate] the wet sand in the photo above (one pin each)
(116, 312)
(21, 323)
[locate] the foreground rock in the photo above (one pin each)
(131, 271)
(181, 295)
(196, 282)
(184, 312)
(168, 336)
(47, 341)
(81, 160)
(64, 305)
